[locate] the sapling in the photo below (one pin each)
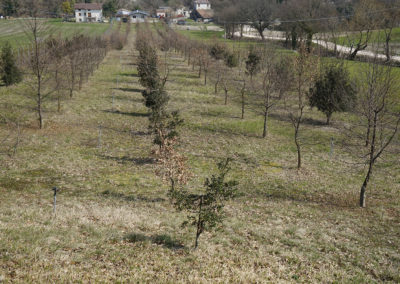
(205, 210)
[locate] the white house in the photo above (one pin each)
(182, 11)
(164, 12)
(201, 5)
(88, 12)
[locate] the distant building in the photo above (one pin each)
(182, 11)
(201, 15)
(123, 15)
(202, 11)
(88, 12)
(164, 12)
(138, 16)
(201, 5)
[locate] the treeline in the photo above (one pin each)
(302, 20)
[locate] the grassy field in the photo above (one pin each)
(114, 222)
(13, 30)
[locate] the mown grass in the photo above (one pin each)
(13, 31)
(114, 222)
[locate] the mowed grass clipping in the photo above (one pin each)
(114, 222)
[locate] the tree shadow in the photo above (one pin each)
(134, 114)
(128, 74)
(160, 239)
(126, 98)
(134, 90)
(307, 121)
(126, 159)
(131, 197)
(186, 75)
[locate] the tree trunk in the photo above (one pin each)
(205, 77)
(364, 186)
(328, 118)
(387, 49)
(298, 154)
(388, 37)
(243, 103)
(368, 133)
(226, 96)
(265, 122)
(199, 224)
(39, 106)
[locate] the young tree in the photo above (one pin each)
(9, 72)
(37, 63)
(206, 209)
(147, 67)
(171, 165)
(378, 112)
(57, 70)
(276, 80)
(305, 68)
(253, 63)
(333, 91)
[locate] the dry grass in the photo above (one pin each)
(115, 224)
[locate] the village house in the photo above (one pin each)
(182, 12)
(88, 12)
(201, 5)
(123, 15)
(202, 11)
(164, 12)
(138, 16)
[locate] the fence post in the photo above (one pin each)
(55, 189)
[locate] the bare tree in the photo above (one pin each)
(305, 68)
(378, 116)
(390, 20)
(276, 80)
(37, 63)
(361, 26)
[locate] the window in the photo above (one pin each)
(80, 14)
(84, 14)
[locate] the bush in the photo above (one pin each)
(9, 72)
(231, 60)
(218, 51)
(333, 92)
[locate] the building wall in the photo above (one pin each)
(202, 6)
(82, 15)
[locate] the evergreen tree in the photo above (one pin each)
(206, 209)
(9, 72)
(252, 63)
(333, 92)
